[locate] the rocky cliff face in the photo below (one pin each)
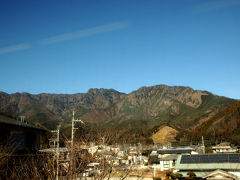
(153, 101)
(181, 108)
(58, 107)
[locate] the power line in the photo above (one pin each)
(57, 150)
(72, 139)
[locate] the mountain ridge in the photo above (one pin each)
(179, 107)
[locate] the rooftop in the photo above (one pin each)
(169, 157)
(208, 162)
(11, 121)
(175, 151)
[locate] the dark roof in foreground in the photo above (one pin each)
(174, 151)
(11, 121)
(210, 158)
(209, 162)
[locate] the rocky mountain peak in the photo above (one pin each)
(175, 106)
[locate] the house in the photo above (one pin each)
(92, 169)
(19, 136)
(210, 166)
(168, 162)
(153, 159)
(165, 159)
(166, 152)
(219, 174)
(223, 149)
(134, 155)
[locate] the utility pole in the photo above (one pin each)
(57, 150)
(203, 146)
(103, 141)
(154, 172)
(72, 139)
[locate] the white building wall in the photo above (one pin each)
(166, 165)
(235, 173)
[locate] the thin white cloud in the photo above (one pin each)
(84, 33)
(66, 37)
(216, 5)
(13, 48)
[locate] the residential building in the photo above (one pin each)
(19, 136)
(168, 162)
(223, 149)
(210, 166)
(165, 159)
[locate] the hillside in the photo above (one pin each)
(133, 117)
(48, 109)
(141, 113)
(164, 135)
(224, 124)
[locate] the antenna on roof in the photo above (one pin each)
(22, 118)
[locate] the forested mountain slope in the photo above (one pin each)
(134, 116)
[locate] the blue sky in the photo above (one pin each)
(70, 46)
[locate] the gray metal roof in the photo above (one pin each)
(169, 157)
(206, 166)
(11, 121)
(174, 151)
